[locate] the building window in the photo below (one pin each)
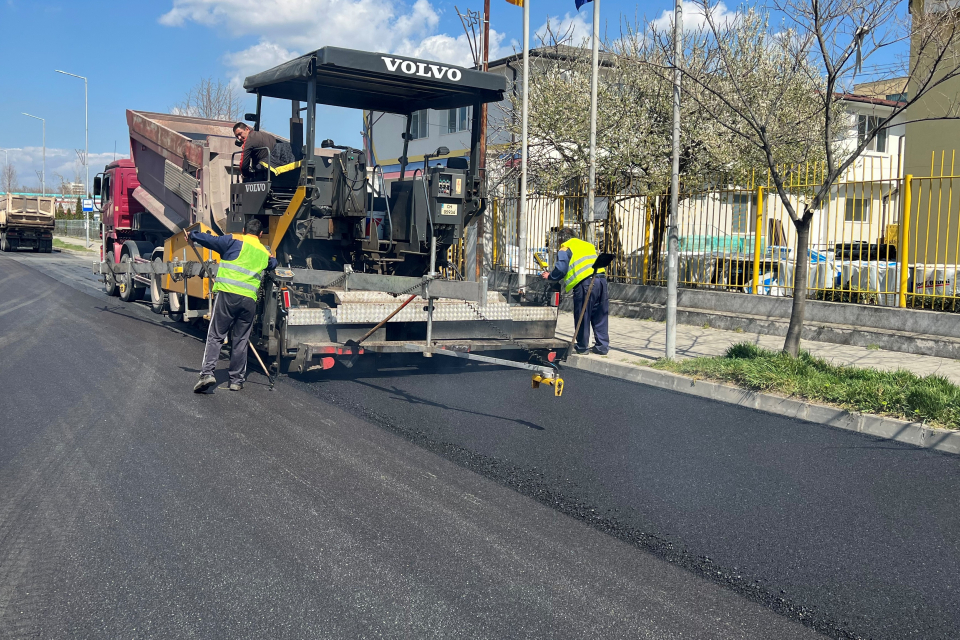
(857, 210)
(420, 125)
(458, 119)
(866, 124)
(742, 208)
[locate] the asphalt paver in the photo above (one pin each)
(432, 502)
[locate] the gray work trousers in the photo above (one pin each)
(230, 311)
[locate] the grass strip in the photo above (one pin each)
(60, 244)
(901, 394)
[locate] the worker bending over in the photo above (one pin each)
(258, 146)
(242, 262)
(574, 266)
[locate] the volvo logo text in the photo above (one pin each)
(256, 186)
(422, 69)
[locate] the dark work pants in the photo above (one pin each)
(230, 311)
(595, 316)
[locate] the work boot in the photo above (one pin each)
(597, 350)
(235, 386)
(204, 384)
(581, 352)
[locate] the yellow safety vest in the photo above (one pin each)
(242, 275)
(583, 256)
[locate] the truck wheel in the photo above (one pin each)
(109, 280)
(129, 291)
(47, 246)
(176, 306)
(158, 297)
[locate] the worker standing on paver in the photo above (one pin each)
(574, 266)
(242, 262)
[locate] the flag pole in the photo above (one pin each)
(522, 217)
(672, 239)
(592, 193)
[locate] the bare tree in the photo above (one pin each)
(826, 42)
(214, 99)
(8, 178)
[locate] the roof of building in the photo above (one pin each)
(850, 97)
(556, 52)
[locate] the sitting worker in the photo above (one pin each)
(574, 267)
(258, 148)
(242, 262)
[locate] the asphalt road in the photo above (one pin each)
(430, 502)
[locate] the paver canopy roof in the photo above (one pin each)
(377, 82)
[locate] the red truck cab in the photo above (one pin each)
(119, 209)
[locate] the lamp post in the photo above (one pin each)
(673, 257)
(6, 155)
(86, 147)
(43, 174)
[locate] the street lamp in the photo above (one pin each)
(43, 174)
(6, 156)
(86, 147)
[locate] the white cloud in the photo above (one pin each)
(287, 28)
(29, 160)
(576, 27)
(694, 17)
(260, 56)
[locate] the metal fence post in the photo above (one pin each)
(646, 244)
(757, 245)
(903, 251)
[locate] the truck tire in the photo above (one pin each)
(109, 280)
(158, 297)
(129, 291)
(47, 246)
(176, 306)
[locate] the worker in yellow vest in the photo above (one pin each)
(242, 263)
(574, 266)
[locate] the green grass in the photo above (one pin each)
(901, 394)
(60, 244)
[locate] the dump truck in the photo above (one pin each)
(27, 222)
(365, 264)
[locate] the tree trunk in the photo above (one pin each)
(792, 344)
(660, 213)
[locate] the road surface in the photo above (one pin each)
(429, 502)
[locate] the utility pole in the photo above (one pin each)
(672, 239)
(86, 148)
(592, 189)
(43, 175)
(483, 137)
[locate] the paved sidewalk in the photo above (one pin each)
(640, 342)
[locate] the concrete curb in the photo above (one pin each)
(913, 433)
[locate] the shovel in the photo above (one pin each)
(602, 262)
(355, 344)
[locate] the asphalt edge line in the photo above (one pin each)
(912, 433)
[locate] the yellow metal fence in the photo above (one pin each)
(879, 238)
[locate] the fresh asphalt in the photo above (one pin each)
(430, 502)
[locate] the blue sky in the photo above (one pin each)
(145, 55)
